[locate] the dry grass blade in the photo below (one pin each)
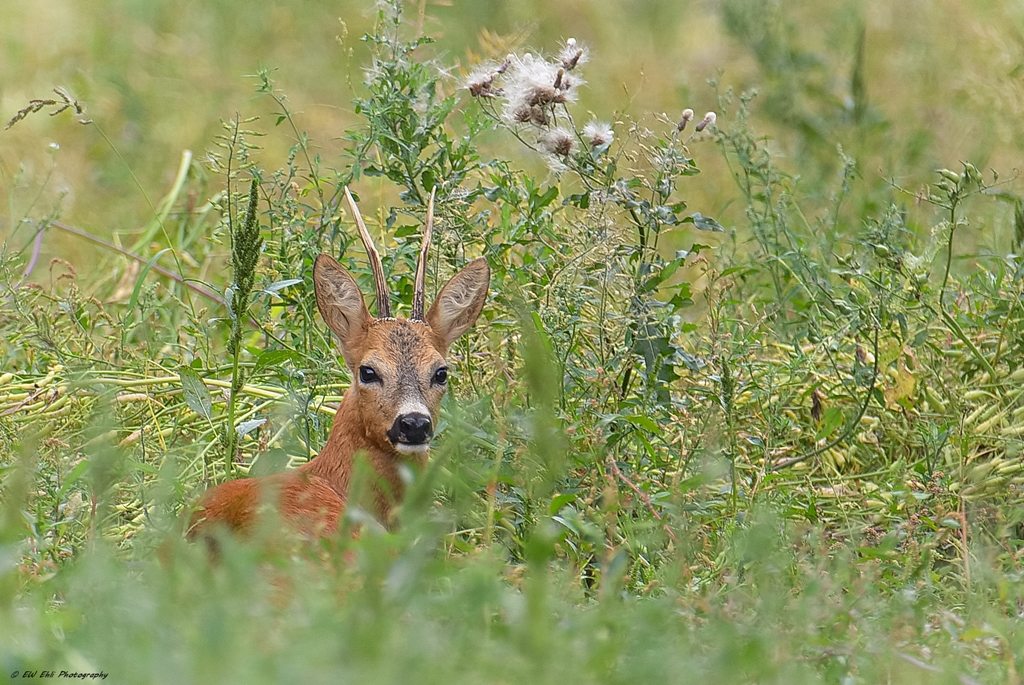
(177, 278)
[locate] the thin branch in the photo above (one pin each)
(643, 496)
(205, 292)
(201, 290)
(853, 424)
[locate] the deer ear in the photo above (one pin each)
(341, 304)
(455, 310)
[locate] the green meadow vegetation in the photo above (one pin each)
(745, 405)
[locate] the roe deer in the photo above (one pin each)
(389, 411)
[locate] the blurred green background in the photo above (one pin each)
(905, 86)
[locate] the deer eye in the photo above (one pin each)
(368, 375)
(441, 376)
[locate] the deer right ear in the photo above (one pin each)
(341, 304)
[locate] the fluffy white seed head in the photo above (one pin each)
(572, 55)
(532, 85)
(559, 142)
(598, 133)
(480, 82)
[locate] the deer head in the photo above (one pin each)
(398, 365)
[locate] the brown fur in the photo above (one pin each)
(405, 355)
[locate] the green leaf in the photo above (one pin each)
(704, 223)
(142, 466)
(272, 461)
(428, 179)
(249, 426)
(70, 479)
(541, 200)
(683, 297)
(272, 358)
(197, 396)
(278, 286)
(142, 278)
(693, 251)
(666, 273)
(832, 420)
(581, 200)
(644, 423)
(559, 501)
(694, 482)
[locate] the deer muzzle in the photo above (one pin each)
(411, 431)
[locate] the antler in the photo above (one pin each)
(383, 299)
(421, 264)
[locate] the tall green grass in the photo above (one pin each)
(776, 444)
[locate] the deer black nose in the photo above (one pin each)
(412, 429)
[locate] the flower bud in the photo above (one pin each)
(708, 120)
(687, 118)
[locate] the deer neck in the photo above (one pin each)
(336, 462)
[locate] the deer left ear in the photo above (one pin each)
(457, 307)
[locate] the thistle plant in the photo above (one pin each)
(535, 92)
(634, 185)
